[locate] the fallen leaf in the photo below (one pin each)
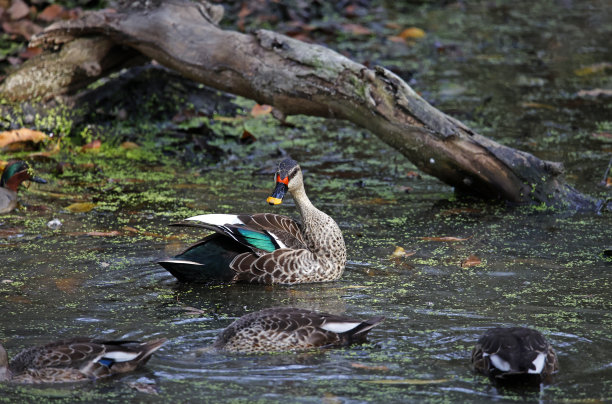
(444, 239)
(18, 10)
(112, 233)
(356, 29)
(412, 33)
(369, 367)
(50, 13)
(470, 261)
(25, 28)
(259, 110)
(593, 69)
(407, 381)
(143, 387)
(596, 92)
(247, 137)
(401, 252)
(30, 52)
(67, 285)
(18, 299)
(609, 182)
(397, 39)
(129, 145)
(94, 144)
(21, 135)
(413, 175)
(81, 207)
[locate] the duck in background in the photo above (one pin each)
(13, 175)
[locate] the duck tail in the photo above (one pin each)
(359, 333)
(207, 261)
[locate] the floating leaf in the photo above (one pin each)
(81, 207)
(407, 381)
(143, 387)
(412, 33)
(356, 29)
(400, 252)
(18, 299)
(444, 239)
(112, 233)
(369, 367)
(67, 285)
(470, 261)
(21, 135)
(593, 69)
(259, 110)
(129, 145)
(609, 182)
(94, 144)
(413, 175)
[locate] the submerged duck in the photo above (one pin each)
(77, 359)
(265, 247)
(13, 175)
(509, 353)
(288, 329)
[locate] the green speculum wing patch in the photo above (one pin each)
(258, 240)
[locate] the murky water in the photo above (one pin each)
(545, 270)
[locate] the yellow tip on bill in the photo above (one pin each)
(274, 201)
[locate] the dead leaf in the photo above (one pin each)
(112, 233)
(369, 367)
(259, 110)
(94, 144)
(396, 39)
(596, 92)
(24, 28)
(247, 137)
(68, 285)
(18, 10)
(18, 299)
(81, 207)
(52, 12)
(407, 381)
(412, 33)
(470, 261)
(21, 135)
(129, 145)
(413, 175)
(593, 69)
(444, 239)
(356, 29)
(30, 52)
(401, 252)
(609, 182)
(143, 387)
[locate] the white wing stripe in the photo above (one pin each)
(217, 219)
(339, 327)
(174, 261)
(539, 363)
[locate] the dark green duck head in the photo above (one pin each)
(288, 177)
(17, 172)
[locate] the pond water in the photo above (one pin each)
(96, 275)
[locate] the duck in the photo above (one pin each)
(13, 175)
(279, 329)
(265, 248)
(506, 353)
(76, 359)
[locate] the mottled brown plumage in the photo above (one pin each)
(76, 359)
(506, 353)
(288, 329)
(265, 247)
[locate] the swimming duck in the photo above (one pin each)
(77, 359)
(265, 247)
(288, 329)
(506, 353)
(13, 175)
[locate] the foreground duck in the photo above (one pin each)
(76, 359)
(509, 353)
(288, 329)
(13, 175)
(265, 247)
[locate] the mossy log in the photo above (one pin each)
(300, 78)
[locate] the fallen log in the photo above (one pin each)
(300, 78)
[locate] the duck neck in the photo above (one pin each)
(307, 209)
(5, 373)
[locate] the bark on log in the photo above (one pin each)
(300, 78)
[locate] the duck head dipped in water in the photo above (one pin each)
(13, 175)
(265, 247)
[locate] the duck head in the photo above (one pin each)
(15, 173)
(288, 177)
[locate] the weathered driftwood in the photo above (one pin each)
(300, 78)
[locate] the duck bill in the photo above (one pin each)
(277, 195)
(38, 179)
